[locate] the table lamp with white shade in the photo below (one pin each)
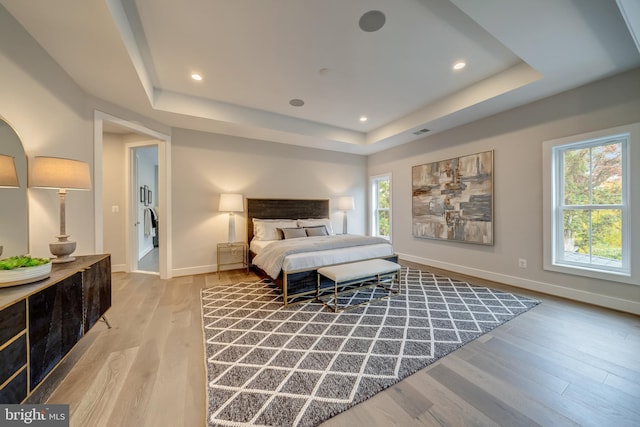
(8, 175)
(231, 203)
(62, 175)
(345, 204)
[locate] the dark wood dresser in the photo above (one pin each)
(41, 322)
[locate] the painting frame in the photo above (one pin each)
(143, 195)
(453, 199)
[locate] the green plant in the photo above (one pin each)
(22, 261)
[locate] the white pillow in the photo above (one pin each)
(315, 222)
(267, 229)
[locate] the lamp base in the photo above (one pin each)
(62, 249)
(344, 223)
(232, 228)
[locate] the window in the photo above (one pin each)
(587, 205)
(381, 206)
(590, 204)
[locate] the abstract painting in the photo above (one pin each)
(453, 199)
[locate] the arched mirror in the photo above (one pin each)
(14, 215)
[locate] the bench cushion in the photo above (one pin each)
(358, 270)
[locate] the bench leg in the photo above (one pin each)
(335, 295)
(374, 280)
(395, 278)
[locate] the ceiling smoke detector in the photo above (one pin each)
(421, 131)
(296, 102)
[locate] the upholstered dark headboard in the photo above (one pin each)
(285, 209)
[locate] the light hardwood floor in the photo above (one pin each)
(560, 364)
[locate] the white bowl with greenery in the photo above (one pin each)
(20, 270)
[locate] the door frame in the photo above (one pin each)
(164, 190)
(133, 230)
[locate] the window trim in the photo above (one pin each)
(373, 218)
(559, 206)
(551, 226)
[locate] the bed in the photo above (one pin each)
(295, 269)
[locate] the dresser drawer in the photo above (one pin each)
(13, 320)
(16, 390)
(13, 352)
(13, 357)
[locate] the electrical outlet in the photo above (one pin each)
(115, 209)
(522, 263)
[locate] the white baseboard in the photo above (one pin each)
(543, 287)
(204, 269)
(119, 268)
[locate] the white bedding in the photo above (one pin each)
(257, 245)
(318, 258)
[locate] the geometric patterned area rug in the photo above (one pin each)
(299, 365)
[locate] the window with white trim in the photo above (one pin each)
(381, 206)
(587, 195)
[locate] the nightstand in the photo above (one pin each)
(238, 253)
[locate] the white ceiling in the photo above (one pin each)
(256, 55)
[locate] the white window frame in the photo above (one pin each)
(373, 185)
(553, 204)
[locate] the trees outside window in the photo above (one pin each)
(381, 206)
(592, 202)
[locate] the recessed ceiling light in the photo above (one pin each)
(196, 77)
(363, 118)
(296, 102)
(459, 65)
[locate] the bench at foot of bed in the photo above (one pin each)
(353, 276)
(301, 286)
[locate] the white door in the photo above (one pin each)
(144, 177)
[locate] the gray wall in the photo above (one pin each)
(205, 165)
(114, 173)
(516, 137)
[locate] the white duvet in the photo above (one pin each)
(311, 252)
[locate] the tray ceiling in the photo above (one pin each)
(256, 56)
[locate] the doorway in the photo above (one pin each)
(144, 179)
(119, 212)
